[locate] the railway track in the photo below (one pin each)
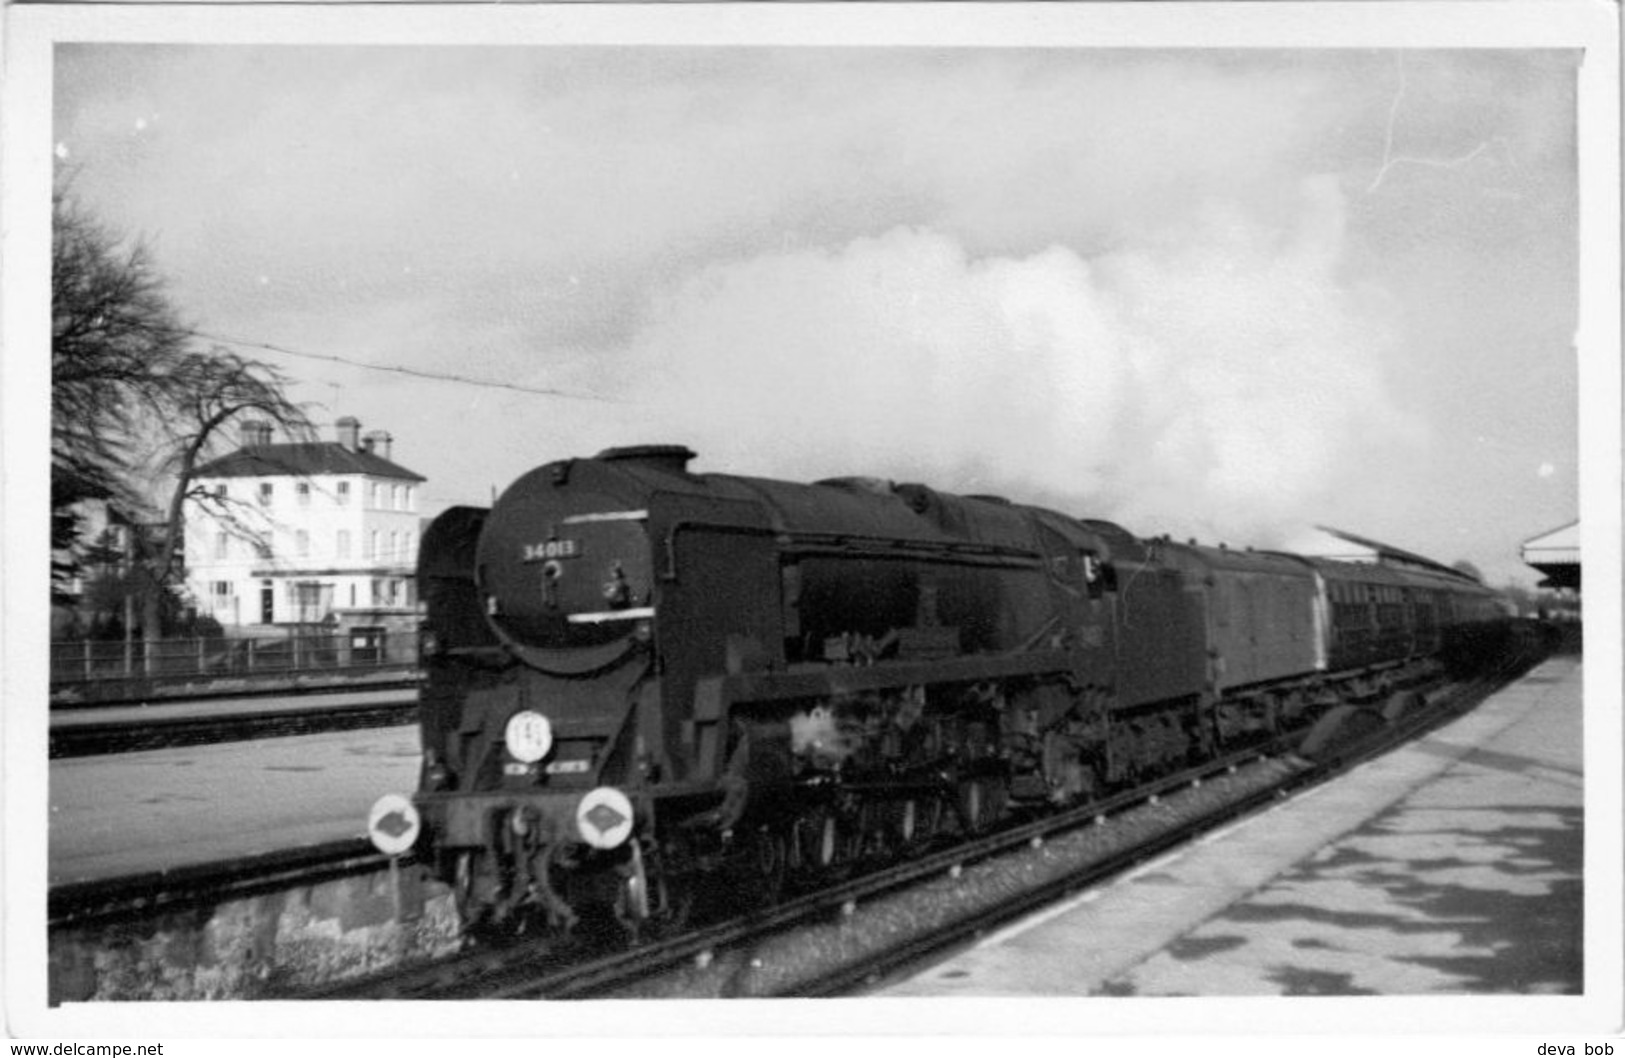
(89, 738)
(74, 698)
(133, 898)
(840, 939)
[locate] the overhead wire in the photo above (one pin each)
(436, 376)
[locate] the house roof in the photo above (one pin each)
(302, 460)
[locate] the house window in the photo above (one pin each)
(389, 592)
(265, 493)
(219, 492)
(222, 545)
(221, 589)
(344, 494)
(395, 497)
(372, 544)
(302, 540)
(411, 498)
(302, 490)
(375, 492)
(394, 546)
(308, 599)
(344, 543)
(406, 545)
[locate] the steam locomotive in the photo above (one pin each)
(639, 679)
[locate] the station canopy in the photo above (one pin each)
(1557, 555)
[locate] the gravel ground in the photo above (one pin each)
(782, 964)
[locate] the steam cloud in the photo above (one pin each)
(1204, 382)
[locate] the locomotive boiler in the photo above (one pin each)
(641, 681)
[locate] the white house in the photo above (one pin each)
(299, 534)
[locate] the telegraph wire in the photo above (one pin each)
(435, 376)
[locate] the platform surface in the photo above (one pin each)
(1451, 866)
(128, 813)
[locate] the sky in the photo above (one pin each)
(1228, 294)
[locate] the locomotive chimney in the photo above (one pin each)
(670, 458)
(349, 431)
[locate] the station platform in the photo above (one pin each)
(1452, 866)
(153, 810)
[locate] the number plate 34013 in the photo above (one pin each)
(549, 550)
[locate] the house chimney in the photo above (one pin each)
(349, 431)
(377, 442)
(254, 432)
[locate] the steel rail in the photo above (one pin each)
(160, 732)
(293, 683)
(298, 683)
(138, 896)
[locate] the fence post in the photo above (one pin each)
(200, 656)
(87, 661)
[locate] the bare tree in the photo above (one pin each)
(112, 333)
(135, 409)
(211, 395)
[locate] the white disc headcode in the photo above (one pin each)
(604, 817)
(393, 824)
(528, 736)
